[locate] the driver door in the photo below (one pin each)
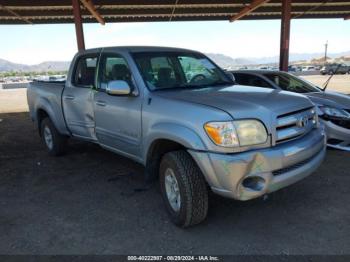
(117, 118)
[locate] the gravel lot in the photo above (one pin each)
(339, 83)
(91, 201)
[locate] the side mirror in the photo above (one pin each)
(231, 76)
(118, 87)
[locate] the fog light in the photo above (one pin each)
(255, 183)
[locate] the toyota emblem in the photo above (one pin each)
(303, 122)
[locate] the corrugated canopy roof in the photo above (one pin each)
(61, 11)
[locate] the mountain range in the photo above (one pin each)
(220, 59)
(6, 66)
(224, 60)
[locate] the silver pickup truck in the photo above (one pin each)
(182, 117)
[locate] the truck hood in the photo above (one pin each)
(329, 98)
(243, 101)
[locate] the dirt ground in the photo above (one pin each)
(91, 201)
(13, 100)
(339, 83)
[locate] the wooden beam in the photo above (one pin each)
(285, 34)
(78, 25)
(8, 10)
(248, 9)
(90, 6)
(173, 11)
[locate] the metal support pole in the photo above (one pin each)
(285, 34)
(78, 24)
(325, 52)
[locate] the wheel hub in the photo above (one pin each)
(48, 137)
(172, 190)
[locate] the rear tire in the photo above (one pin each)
(183, 188)
(53, 140)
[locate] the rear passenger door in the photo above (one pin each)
(118, 118)
(77, 97)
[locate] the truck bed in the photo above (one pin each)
(48, 97)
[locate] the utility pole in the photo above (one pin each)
(325, 52)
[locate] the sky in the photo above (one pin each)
(32, 44)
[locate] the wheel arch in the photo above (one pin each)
(44, 108)
(157, 149)
(41, 114)
(165, 137)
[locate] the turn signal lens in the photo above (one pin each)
(222, 133)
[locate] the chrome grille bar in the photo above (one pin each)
(295, 124)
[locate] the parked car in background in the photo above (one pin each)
(292, 68)
(193, 132)
(308, 68)
(264, 67)
(333, 107)
(331, 69)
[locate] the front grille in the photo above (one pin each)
(295, 124)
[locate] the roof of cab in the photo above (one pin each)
(141, 49)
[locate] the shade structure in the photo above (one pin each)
(61, 11)
(102, 11)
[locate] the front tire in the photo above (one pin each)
(183, 189)
(53, 140)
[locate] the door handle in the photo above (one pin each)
(101, 103)
(69, 97)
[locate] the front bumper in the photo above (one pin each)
(337, 137)
(251, 174)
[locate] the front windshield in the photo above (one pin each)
(169, 70)
(291, 83)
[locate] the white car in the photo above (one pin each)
(308, 68)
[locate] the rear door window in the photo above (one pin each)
(251, 80)
(241, 79)
(85, 71)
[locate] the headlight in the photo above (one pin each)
(250, 132)
(334, 112)
(236, 133)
